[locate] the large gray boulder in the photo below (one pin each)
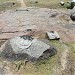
(26, 47)
(53, 35)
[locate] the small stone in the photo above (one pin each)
(62, 3)
(53, 35)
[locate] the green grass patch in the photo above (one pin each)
(71, 45)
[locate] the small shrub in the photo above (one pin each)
(71, 5)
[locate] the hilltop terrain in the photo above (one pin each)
(16, 21)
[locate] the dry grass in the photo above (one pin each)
(8, 4)
(46, 3)
(41, 3)
(1, 1)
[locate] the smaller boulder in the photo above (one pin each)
(72, 16)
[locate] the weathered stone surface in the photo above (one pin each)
(26, 47)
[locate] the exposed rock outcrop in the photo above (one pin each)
(26, 47)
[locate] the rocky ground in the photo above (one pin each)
(40, 20)
(14, 23)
